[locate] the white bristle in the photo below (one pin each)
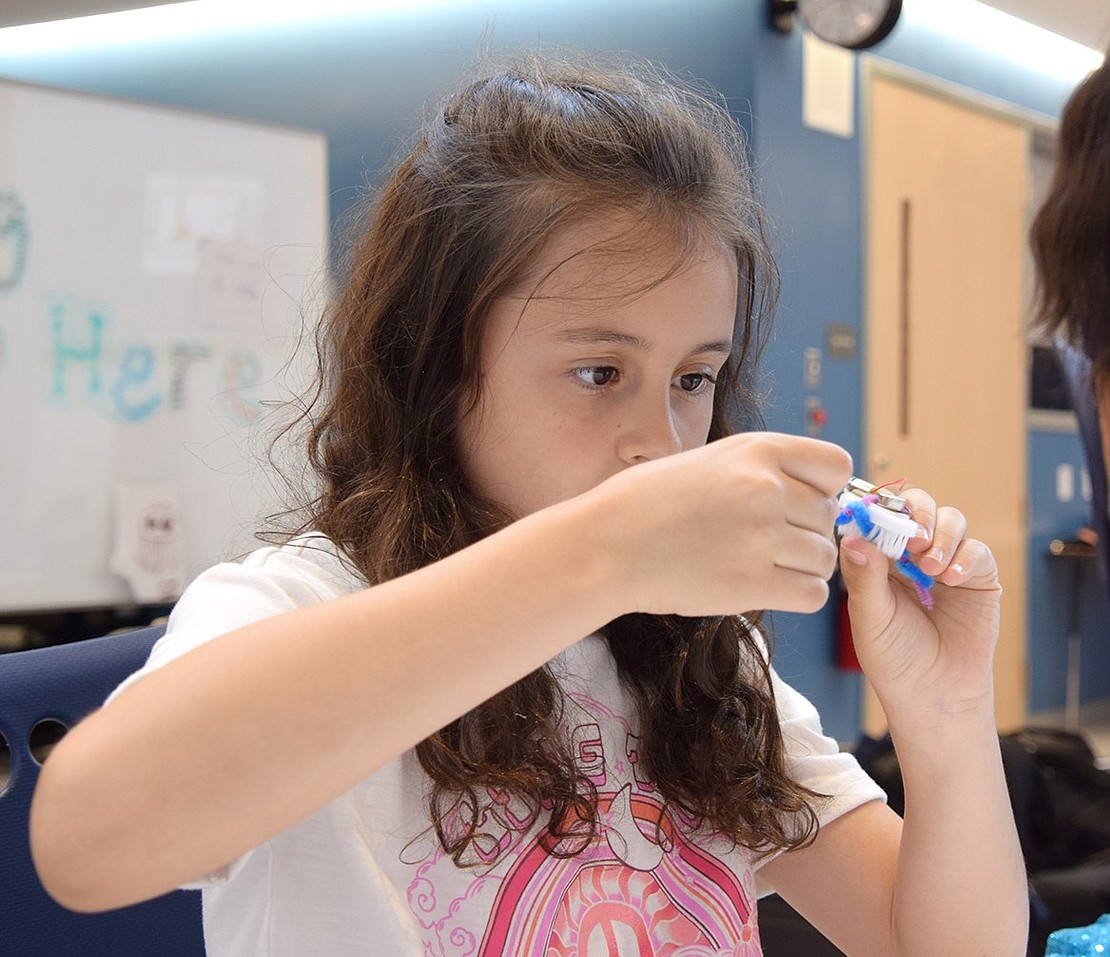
(891, 532)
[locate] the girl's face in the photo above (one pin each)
(595, 366)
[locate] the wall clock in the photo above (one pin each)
(855, 24)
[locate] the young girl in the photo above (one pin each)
(497, 696)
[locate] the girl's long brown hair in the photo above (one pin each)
(505, 161)
(1070, 235)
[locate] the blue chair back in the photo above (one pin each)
(63, 683)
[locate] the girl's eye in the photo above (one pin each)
(694, 382)
(595, 376)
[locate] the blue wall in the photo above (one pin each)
(811, 185)
(363, 85)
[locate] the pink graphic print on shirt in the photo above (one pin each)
(627, 894)
(604, 903)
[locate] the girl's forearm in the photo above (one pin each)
(961, 885)
(189, 768)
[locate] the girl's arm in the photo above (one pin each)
(177, 775)
(950, 878)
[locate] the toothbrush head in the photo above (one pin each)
(883, 520)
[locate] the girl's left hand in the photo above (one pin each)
(925, 663)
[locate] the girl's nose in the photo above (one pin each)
(648, 430)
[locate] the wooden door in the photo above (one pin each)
(945, 389)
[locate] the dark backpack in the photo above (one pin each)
(1077, 790)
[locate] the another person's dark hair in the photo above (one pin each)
(1070, 235)
(502, 164)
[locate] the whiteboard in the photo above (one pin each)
(156, 274)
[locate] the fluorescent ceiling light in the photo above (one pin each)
(984, 25)
(189, 19)
(1005, 34)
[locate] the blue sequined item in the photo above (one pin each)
(1091, 941)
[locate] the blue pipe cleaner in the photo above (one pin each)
(857, 512)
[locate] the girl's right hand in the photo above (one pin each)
(740, 524)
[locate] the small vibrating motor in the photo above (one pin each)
(883, 517)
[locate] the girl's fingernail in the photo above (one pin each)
(936, 554)
(856, 558)
(921, 533)
(957, 568)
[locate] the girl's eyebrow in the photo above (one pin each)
(612, 336)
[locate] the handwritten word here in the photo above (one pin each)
(133, 381)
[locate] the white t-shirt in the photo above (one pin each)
(364, 875)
